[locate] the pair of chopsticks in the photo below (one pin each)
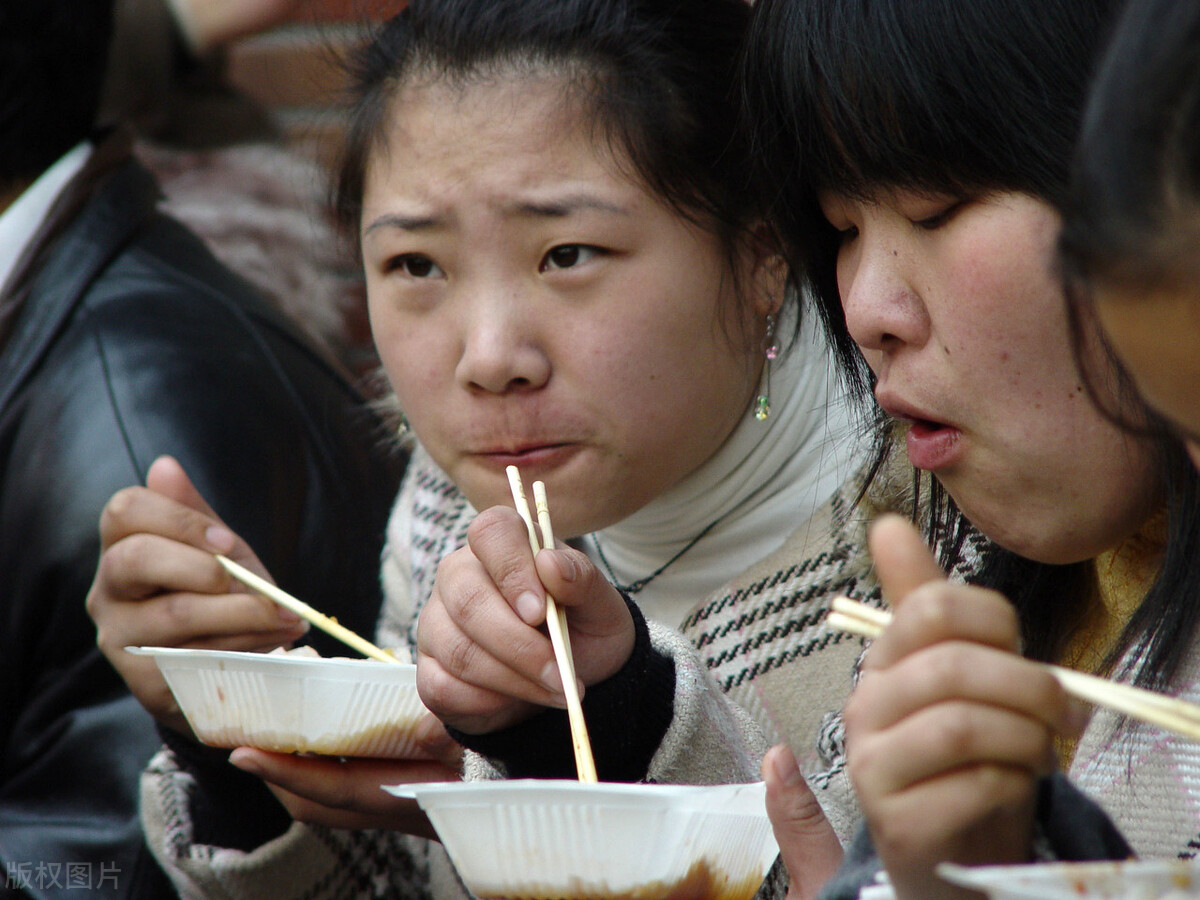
(1169, 713)
(329, 625)
(556, 622)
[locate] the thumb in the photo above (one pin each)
(902, 561)
(808, 845)
(575, 583)
(167, 477)
(601, 626)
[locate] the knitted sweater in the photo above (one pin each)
(755, 664)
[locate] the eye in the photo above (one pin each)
(567, 256)
(940, 218)
(414, 265)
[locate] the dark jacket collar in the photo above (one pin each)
(111, 198)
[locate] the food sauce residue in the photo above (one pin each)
(700, 883)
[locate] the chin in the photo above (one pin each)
(1042, 539)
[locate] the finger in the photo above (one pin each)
(145, 566)
(406, 817)
(940, 611)
(499, 539)
(476, 636)
(138, 510)
(216, 622)
(167, 478)
(958, 672)
(902, 561)
(985, 815)
(470, 708)
(577, 584)
(344, 792)
(945, 738)
(171, 506)
(808, 845)
(467, 687)
(434, 743)
(601, 626)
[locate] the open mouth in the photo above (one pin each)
(921, 428)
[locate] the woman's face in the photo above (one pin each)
(533, 305)
(957, 311)
(1156, 334)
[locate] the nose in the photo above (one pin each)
(881, 301)
(503, 349)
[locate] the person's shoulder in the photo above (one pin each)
(165, 293)
(167, 265)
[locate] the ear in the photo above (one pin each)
(767, 270)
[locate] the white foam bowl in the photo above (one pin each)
(552, 840)
(1149, 879)
(294, 704)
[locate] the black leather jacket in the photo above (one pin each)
(135, 342)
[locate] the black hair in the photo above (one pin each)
(52, 59)
(963, 98)
(1132, 217)
(941, 96)
(658, 75)
(1131, 220)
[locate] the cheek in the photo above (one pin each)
(676, 387)
(1014, 315)
(415, 359)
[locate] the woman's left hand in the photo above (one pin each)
(949, 729)
(808, 846)
(347, 792)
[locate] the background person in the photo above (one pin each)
(121, 339)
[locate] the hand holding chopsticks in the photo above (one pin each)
(556, 622)
(1168, 713)
(304, 611)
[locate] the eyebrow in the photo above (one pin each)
(557, 209)
(404, 223)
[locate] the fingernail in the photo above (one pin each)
(220, 539)
(290, 620)
(784, 762)
(567, 570)
(245, 761)
(286, 616)
(530, 609)
(552, 678)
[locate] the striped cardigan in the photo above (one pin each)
(755, 664)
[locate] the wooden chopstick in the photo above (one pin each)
(556, 622)
(1169, 713)
(304, 611)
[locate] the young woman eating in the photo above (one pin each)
(564, 274)
(923, 212)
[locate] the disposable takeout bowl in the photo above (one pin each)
(1150, 879)
(567, 840)
(294, 704)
